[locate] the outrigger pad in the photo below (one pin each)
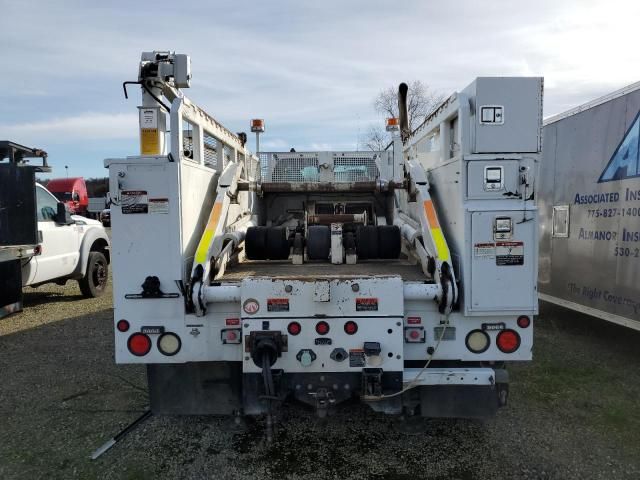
(367, 242)
(255, 243)
(389, 243)
(318, 242)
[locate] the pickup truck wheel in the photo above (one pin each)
(94, 282)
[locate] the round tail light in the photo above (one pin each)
(523, 321)
(477, 341)
(508, 341)
(322, 328)
(122, 325)
(294, 328)
(139, 344)
(350, 328)
(169, 344)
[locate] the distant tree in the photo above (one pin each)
(421, 101)
(376, 138)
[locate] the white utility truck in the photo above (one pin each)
(40, 242)
(72, 247)
(405, 277)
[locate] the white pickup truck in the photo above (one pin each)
(71, 248)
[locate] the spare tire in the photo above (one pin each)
(255, 243)
(367, 242)
(389, 242)
(277, 243)
(318, 242)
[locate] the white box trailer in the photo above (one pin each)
(589, 204)
(405, 277)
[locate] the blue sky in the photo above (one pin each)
(310, 69)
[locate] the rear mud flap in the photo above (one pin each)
(202, 388)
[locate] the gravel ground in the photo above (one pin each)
(573, 413)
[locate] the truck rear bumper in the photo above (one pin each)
(205, 388)
(450, 376)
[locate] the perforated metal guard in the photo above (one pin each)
(315, 167)
(355, 167)
(210, 150)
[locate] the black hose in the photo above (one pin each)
(168, 109)
(266, 372)
(265, 378)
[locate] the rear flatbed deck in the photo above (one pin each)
(285, 269)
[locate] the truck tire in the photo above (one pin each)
(367, 242)
(277, 243)
(389, 243)
(255, 243)
(95, 279)
(318, 242)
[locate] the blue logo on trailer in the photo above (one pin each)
(625, 161)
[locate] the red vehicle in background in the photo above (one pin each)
(72, 192)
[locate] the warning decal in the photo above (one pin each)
(134, 201)
(509, 253)
(356, 358)
(277, 304)
(158, 205)
(366, 304)
(487, 250)
(149, 133)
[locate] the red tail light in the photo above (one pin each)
(508, 341)
(294, 328)
(350, 328)
(139, 344)
(524, 321)
(322, 328)
(122, 325)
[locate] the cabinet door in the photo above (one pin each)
(503, 270)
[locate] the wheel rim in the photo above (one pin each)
(99, 275)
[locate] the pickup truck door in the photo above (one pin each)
(60, 243)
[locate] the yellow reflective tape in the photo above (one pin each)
(205, 241)
(436, 232)
(441, 244)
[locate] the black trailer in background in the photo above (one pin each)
(19, 236)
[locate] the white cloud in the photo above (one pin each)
(309, 69)
(74, 129)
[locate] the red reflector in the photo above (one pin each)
(122, 325)
(414, 334)
(231, 335)
(524, 321)
(350, 328)
(414, 320)
(139, 344)
(294, 328)
(508, 341)
(322, 328)
(233, 321)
